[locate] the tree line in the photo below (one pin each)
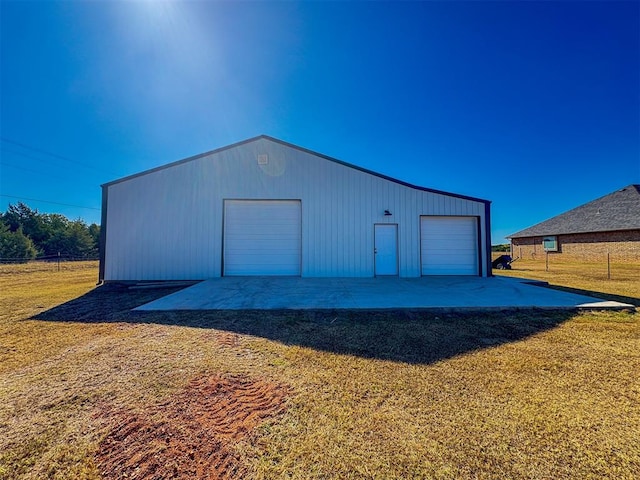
(26, 234)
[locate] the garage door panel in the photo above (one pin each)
(453, 257)
(449, 245)
(262, 237)
(258, 243)
(259, 257)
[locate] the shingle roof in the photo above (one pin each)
(619, 210)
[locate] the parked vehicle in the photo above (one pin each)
(503, 262)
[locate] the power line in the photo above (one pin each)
(4, 164)
(41, 160)
(54, 155)
(25, 155)
(49, 175)
(47, 201)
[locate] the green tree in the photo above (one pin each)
(53, 233)
(73, 240)
(81, 241)
(94, 231)
(57, 241)
(15, 246)
(34, 224)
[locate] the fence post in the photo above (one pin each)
(58, 261)
(608, 267)
(547, 260)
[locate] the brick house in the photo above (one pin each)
(607, 225)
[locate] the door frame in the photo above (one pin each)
(375, 263)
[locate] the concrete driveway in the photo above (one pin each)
(443, 293)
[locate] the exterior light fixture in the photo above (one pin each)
(387, 213)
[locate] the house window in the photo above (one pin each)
(550, 244)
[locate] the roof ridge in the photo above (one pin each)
(614, 211)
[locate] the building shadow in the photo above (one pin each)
(412, 336)
(601, 295)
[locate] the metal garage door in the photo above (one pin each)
(262, 237)
(449, 245)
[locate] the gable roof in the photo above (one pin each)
(305, 150)
(619, 210)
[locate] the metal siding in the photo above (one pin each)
(167, 224)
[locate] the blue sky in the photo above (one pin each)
(533, 105)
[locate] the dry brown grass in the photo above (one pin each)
(591, 277)
(372, 395)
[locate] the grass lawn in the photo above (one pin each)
(88, 388)
(590, 278)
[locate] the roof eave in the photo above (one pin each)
(180, 162)
(518, 235)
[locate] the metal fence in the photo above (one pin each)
(49, 258)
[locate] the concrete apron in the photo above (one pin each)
(438, 293)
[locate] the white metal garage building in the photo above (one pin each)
(267, 207)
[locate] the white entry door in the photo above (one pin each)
(262, 237)
(386, 249)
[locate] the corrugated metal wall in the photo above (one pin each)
(168, 224)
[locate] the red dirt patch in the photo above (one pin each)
(191, 436)
(227, 339)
